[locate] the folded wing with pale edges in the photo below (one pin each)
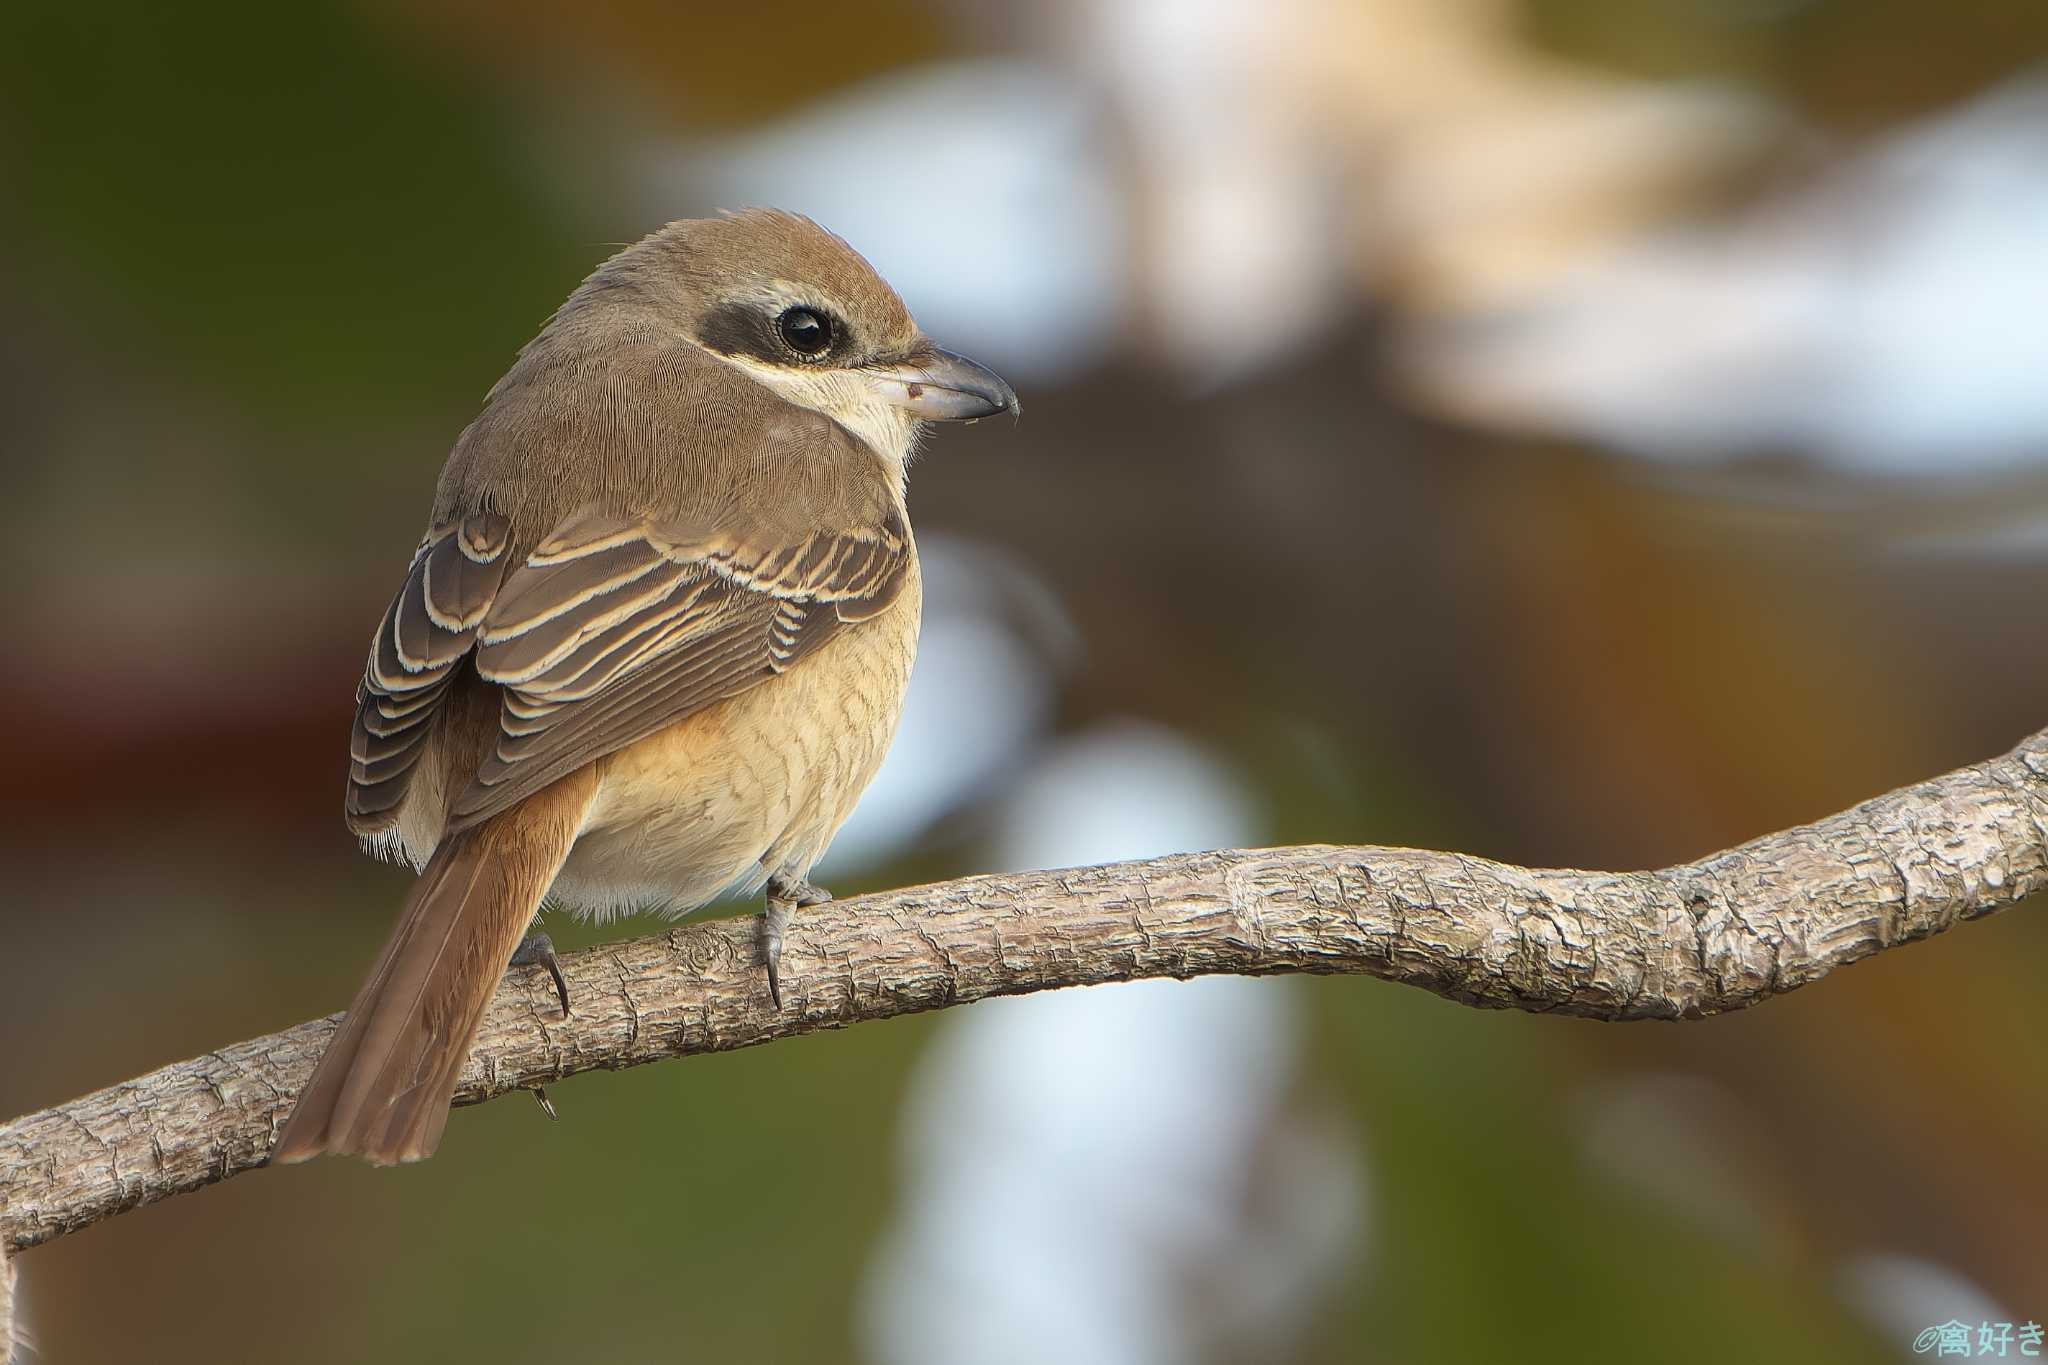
(426, 633)
(612, 629)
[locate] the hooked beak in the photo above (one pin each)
(939, 386)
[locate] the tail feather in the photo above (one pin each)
(383, 1087)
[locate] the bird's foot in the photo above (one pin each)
(786, 895)
(538, 950)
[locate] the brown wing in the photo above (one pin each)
(426, 631)
(613, 629)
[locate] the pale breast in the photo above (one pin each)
(756, 784)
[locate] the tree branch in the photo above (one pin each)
(1708, 936)
(8, 1338)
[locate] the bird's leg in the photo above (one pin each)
(538, 950)
(785, 896)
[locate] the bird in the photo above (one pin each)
(654, 643)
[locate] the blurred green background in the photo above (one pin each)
(1576, 432)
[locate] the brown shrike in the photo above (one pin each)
(655, 642)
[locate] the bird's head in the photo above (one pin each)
(798, 310)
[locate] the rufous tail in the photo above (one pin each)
(383, 1087)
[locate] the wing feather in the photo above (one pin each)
(611, 630)
(608, 630)
(426, 632)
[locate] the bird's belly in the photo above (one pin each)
(756, 784)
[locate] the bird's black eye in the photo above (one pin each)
(805, 331)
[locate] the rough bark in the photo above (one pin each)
(1718, 934)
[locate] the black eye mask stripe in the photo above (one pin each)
(743, 329)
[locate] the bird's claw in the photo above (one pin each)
(538, 950)
(785, 896)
